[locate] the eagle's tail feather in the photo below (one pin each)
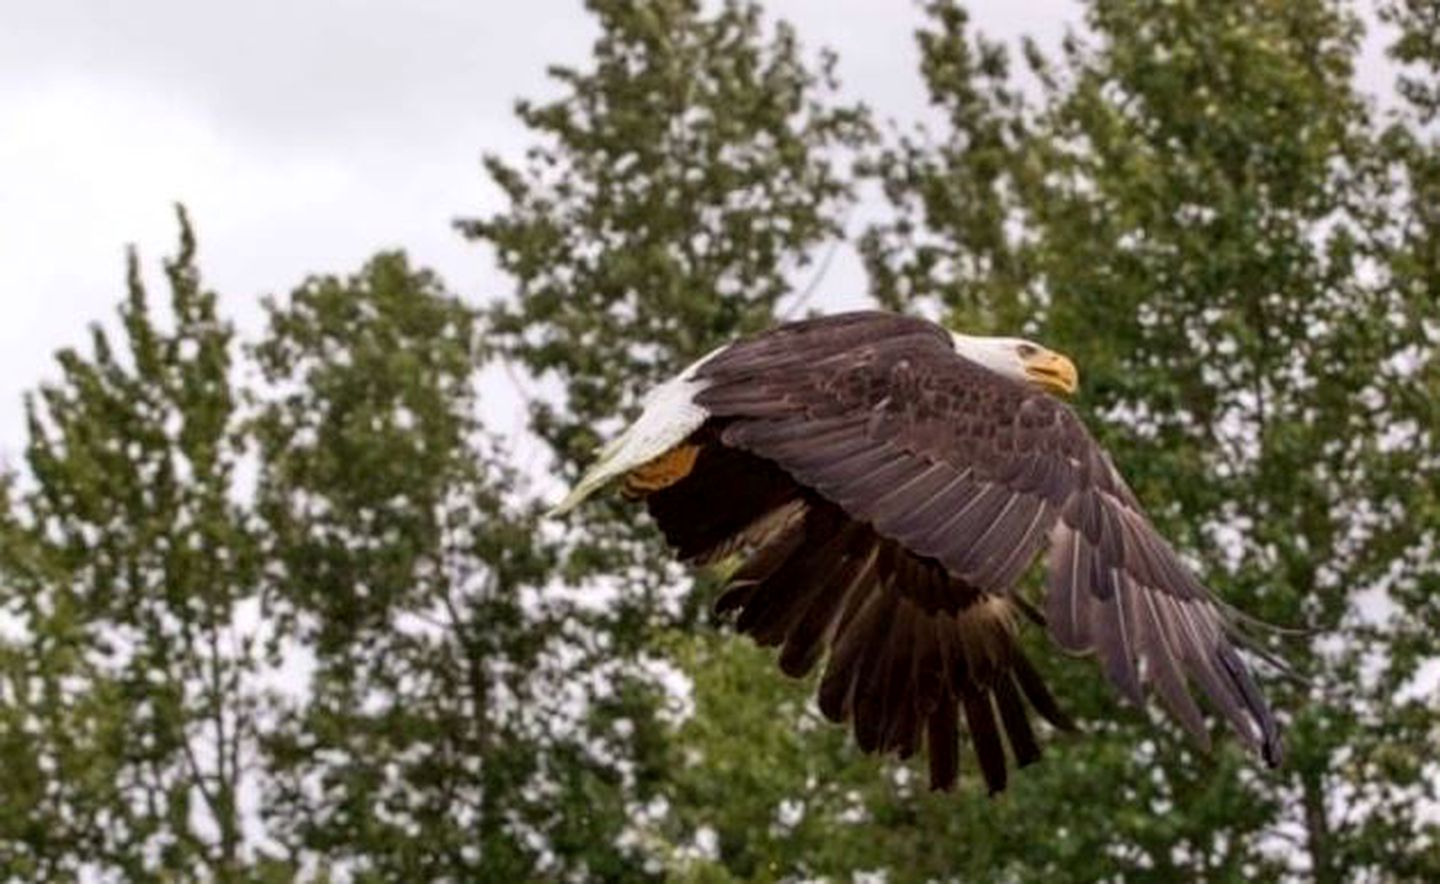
(669, 417)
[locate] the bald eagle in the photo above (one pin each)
(884, 484)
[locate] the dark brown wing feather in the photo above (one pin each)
(879, 415)
(909, 646)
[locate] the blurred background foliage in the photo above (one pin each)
(286, 607)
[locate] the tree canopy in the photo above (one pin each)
(287, 607)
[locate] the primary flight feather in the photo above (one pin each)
(885, 483)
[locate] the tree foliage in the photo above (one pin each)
(288, 609)
(1200, 208)
(128, 572)
(676, 186)
(397, 561)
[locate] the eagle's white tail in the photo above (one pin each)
(669, 417)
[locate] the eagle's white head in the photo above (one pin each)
(1020, 360)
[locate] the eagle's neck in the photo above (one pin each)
(996, 354)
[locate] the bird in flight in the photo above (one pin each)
(883, 484)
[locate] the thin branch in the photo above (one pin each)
(821, 270)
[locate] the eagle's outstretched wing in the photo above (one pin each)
(888, 494)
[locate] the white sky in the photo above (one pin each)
(304, 137)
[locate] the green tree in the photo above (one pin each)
(131, 580)
(677, 188)
(1411, 256)
(345, 663)
(1199, 208)
(304, 621)
(435, 741)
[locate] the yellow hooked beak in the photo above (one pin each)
(1052, 372)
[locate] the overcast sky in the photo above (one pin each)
(305, 136)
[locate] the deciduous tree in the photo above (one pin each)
(1200, 208)
(131, 580)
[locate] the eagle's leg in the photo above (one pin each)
(662, 472)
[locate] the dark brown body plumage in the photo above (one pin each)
(887, 495)
(912, 648)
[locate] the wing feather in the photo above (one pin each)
(879, 415)
(980, 717)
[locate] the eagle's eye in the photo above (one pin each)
(1027, 350)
